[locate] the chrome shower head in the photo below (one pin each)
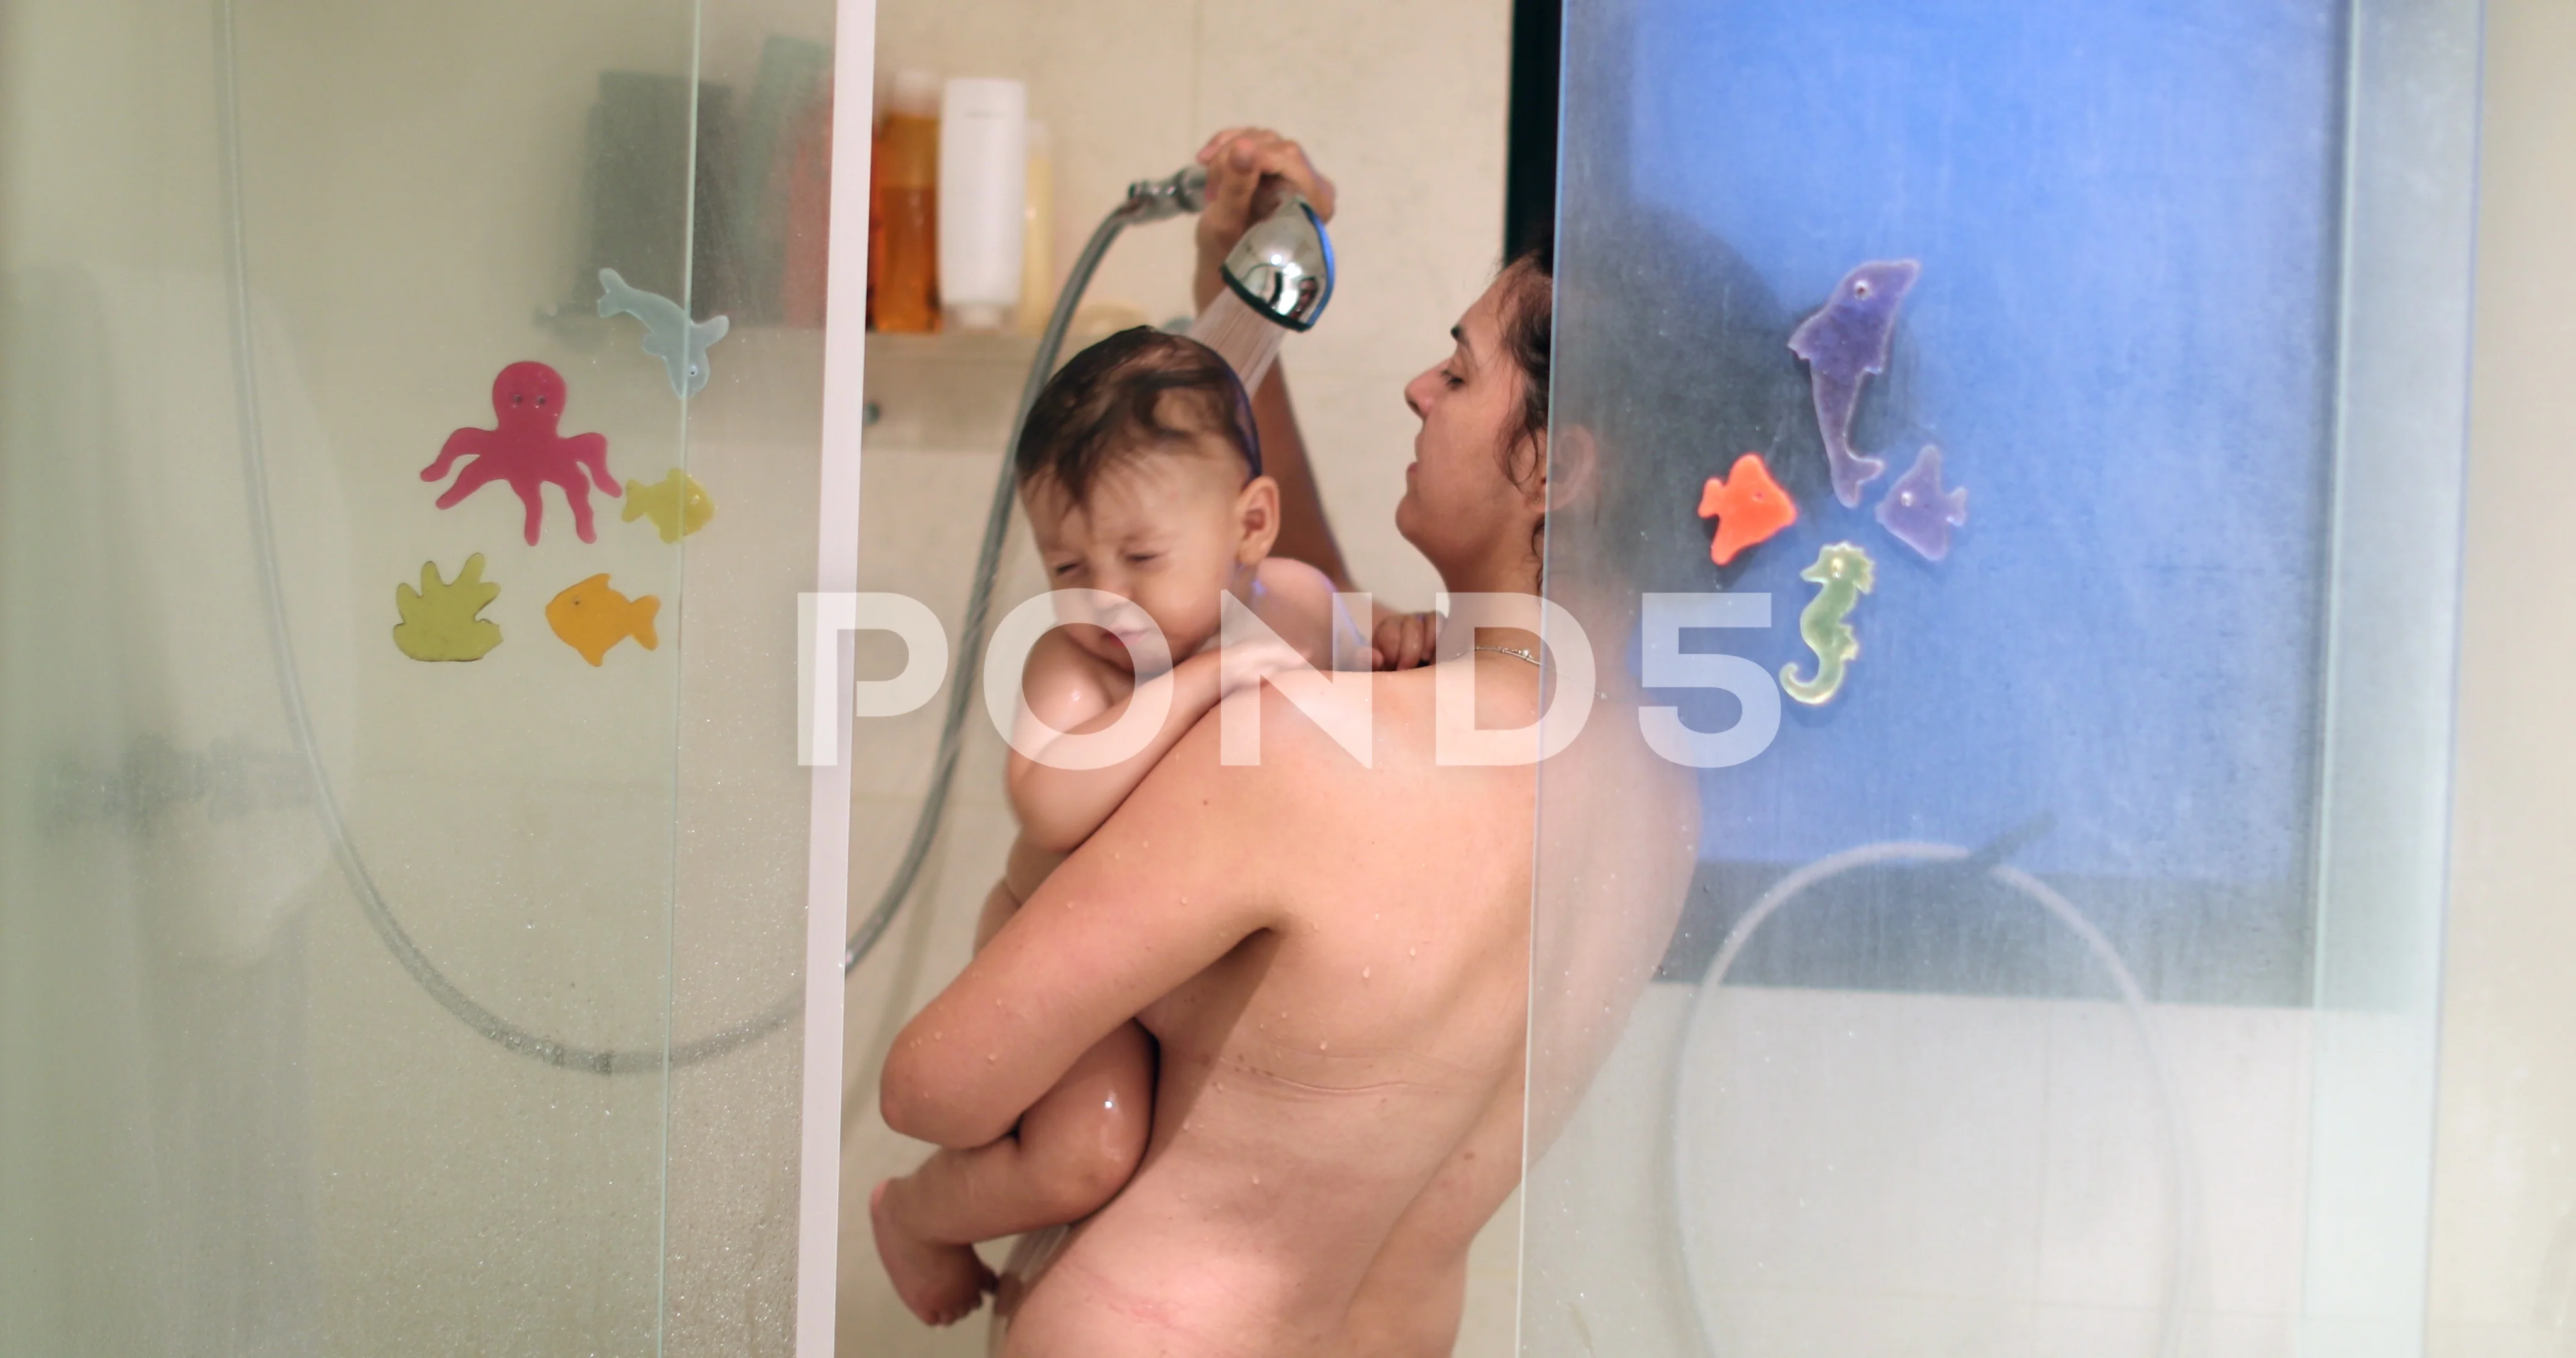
(1283, 266)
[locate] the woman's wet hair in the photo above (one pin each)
(1529, 323)
(1132, 392)
(1665, 348)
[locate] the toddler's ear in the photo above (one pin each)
(1256, 519)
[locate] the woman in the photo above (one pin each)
(1675, 360)
(1334, 956)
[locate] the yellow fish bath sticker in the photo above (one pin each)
(438, 621)
(677, 504)
(592, 618)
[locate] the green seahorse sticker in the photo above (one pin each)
(1843, 573)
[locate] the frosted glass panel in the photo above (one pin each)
(2055, 977)
(738, 928)
(401, 846)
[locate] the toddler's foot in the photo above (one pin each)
(942, 1284)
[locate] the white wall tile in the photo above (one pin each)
(1599, 1261)
(1981, 1174)
(1404, 106)
(2115, 1197)
(1360, 437)
(1489, 1326)
(2243, 1075)
(1843, 1142)
(1844, 1323)
(2504, 1211)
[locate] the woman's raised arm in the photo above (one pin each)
(1243, 162)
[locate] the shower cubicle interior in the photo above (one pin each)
(2064, 982)
(378, 974)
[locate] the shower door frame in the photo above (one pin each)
(2381, 868)
(836, 569)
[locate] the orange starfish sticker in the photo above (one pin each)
(1748, 505)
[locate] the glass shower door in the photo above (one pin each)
(411, 436)
(1993, 908)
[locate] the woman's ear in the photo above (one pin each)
(1256, 518)
(1573, 469)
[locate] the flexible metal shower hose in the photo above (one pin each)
(979, 601)
(344, 850)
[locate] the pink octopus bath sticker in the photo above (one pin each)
(525, 450)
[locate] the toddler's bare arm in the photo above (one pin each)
(1060, 807)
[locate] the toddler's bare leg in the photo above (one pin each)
(1072, 1152)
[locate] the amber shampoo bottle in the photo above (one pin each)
(903, 235)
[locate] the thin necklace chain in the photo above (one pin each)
(1510, 650)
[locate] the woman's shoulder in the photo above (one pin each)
(1293, 582)
(1299, 603)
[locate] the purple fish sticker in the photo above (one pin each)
(1919, 512)
(1843, 344)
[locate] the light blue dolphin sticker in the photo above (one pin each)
(669, 334)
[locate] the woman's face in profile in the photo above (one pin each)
(1459, 497)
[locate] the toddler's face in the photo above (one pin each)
(1169, 529)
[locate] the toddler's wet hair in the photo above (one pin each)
(1109, 403)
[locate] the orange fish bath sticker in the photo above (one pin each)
(1748, 505)
(592, 618)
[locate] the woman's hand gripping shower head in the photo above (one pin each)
(1265, 260)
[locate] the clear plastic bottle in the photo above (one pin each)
(903, 237)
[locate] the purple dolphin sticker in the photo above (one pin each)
(1843, 344)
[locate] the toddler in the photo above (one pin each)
(1140, 471)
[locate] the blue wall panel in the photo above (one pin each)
(2126, 214)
